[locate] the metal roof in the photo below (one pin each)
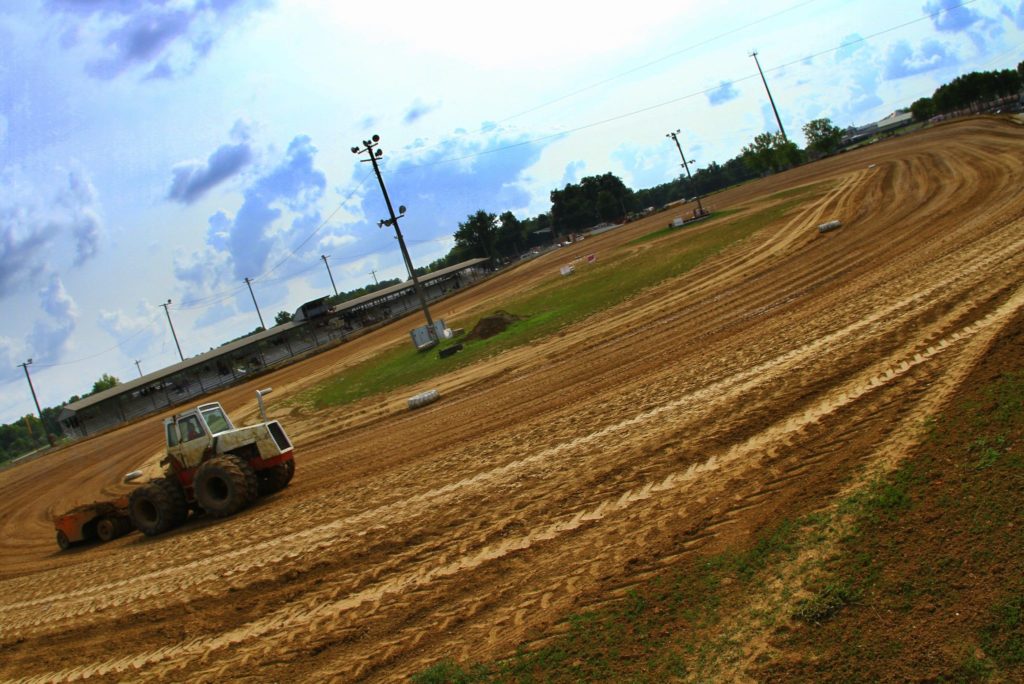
(155, 376)
(225, 349)
(387, 291)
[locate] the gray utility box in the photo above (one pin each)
(421, 335)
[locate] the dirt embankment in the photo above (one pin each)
(552, 477)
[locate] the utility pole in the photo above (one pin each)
(772, 101)
(686, 165)
(32, 389)
(393, 221)
(374, 274)
(248, 281)
(324, 257)
(139, 367)
(174, 334)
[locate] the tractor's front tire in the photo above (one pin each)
(154, 509)
(62, 541)
(221, 488)
(252, 483)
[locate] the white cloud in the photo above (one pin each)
(135, 333)
(37, 220)
(337, 241)
(49, 337)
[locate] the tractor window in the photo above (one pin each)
(172, 435)
(216, 420)
(190, 428)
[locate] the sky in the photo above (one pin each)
(155, 150)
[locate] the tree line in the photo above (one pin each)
(968, 90)
(605, 198)
(28, 432)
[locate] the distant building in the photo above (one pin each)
(894, 121)
(314, 327)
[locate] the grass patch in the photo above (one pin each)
(802, 191)
(652, 634)
(886, 608)
(670, 229)
(827, 602)
(934, 550)
(1003, 637)
(551, 306)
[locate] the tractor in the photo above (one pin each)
(210, 466)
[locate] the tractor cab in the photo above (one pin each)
(190, 434)
(203, 421)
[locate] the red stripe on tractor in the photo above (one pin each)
(259, 464)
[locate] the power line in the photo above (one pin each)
(101, 353)
(206, 301)
(215, 298)
(641, 67)
(317, 229)
(565, 133)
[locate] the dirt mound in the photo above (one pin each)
(489, 326)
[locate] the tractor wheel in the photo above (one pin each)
(62, 541)
(252, 485)
(107, 529)
(276, 478)
(153, 509)
(220, 486)
(179, 504)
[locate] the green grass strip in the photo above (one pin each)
(551, 306)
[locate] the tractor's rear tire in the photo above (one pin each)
(276, 478)
(153, 509)
(252, 484)
(221, 488)
(62, 541)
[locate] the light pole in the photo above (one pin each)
(32, 389)
(686, 165)
(770, 99)
(139, 367)
(369, 146)
(174, 334)
(248, 281)
(324, 257)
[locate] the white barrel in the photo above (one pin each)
(423, 398)
(831, 225)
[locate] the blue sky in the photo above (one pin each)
(168, 149)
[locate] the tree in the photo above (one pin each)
(923, 109)
(104, 383)
(608, 207)
(478, 233)
(282, 317)
(978, 86)
(511, 235)
(758, 154)
(594, 199)
(822, 136)
(770, 152)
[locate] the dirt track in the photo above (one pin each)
(554, 476)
